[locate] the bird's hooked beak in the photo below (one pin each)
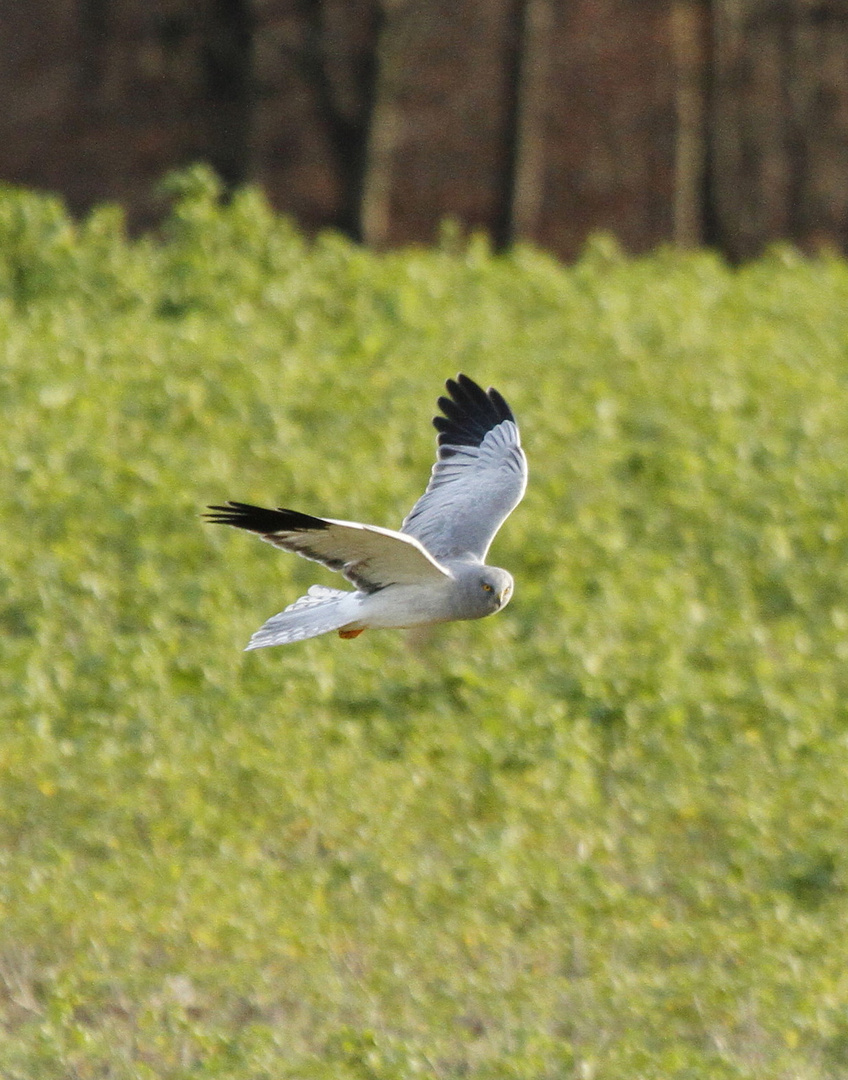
(504, 595)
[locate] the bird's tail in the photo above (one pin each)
(319, 612)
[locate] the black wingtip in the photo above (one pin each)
(470, 412)
(259, 519)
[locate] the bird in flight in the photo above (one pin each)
(433, 570)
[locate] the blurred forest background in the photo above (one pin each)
(722, 122)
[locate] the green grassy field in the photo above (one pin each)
(602, 835)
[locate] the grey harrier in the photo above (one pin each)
(433, 569)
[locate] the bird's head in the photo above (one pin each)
(488, 589)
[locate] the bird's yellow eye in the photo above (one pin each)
(487, 587)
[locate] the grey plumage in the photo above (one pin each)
(433, 569)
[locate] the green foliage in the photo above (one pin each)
(601, 835)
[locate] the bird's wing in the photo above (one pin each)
(369, 557)
(479, 476)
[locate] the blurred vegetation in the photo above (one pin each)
(602, 835)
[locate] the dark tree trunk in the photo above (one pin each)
(228, 63)
(440, 138)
